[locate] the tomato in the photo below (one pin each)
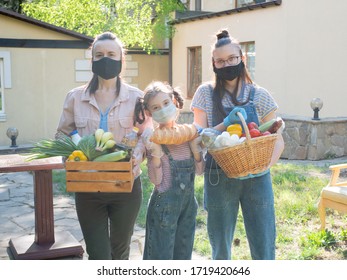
(254, 133)
(252, 125)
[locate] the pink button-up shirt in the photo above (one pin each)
(81, 112)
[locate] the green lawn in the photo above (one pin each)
(296, 189)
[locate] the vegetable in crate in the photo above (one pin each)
(88, 146)
(115, 156)
(61, 146)
(104, 140)
(77, 155)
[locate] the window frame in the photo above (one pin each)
(2, 90)
(246, 52)
(194, 69)
(6, 80)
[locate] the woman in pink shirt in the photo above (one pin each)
(171, 213)
(107, 219)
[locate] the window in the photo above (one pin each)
(194, 70)
(248, 50)
(2, 107)
(5, 80)
(243, 3)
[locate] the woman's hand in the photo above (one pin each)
(233, 117)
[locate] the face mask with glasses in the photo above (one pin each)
(232, 60)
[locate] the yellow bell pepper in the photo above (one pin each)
(77, 155)
(235, 129)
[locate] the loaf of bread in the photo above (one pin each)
(176, 135)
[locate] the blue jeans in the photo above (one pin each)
(222, 200)
(170, 224)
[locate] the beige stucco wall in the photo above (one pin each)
(300, 48)
(41, 79)
(150, 67)
(13, 28)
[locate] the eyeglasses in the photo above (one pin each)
(232, 60)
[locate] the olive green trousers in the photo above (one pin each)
(107, 221)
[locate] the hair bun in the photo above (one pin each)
(222, 34)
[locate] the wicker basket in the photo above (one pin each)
(250, 157)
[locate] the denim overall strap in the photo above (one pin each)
(182, 171)
(252, 116)
(249, 107)
(171, 215)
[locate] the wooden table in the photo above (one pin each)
(45, 244)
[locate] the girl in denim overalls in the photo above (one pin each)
(172, 209)
(215, 106)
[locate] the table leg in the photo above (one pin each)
(45, 245)
(44, 220)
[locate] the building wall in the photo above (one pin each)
(216, 6)
(41, 78)
(300, 49)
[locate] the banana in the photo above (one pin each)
(98, 135)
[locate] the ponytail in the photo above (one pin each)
(178, 98)
(139, 111)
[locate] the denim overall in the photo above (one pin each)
(170, 225)
(222, 197)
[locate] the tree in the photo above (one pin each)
(141, 23)
(14, 5)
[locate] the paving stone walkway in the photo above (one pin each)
(17, 215)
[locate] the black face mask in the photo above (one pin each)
(107, 68)
(230, 72)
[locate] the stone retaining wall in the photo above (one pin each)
(307, 139)
(314, 139)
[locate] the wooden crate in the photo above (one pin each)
(89, 176)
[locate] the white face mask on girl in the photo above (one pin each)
(166, 114)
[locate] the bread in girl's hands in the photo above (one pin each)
(176, 135)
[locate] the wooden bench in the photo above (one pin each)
(334, 195)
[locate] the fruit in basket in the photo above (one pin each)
(271, 126)
(252, 125)
(225, 140)
(254, 132)
(265, 126)
(235, 129)
(275, 126)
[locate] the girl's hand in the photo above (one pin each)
(195, 145)
(155, 150)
